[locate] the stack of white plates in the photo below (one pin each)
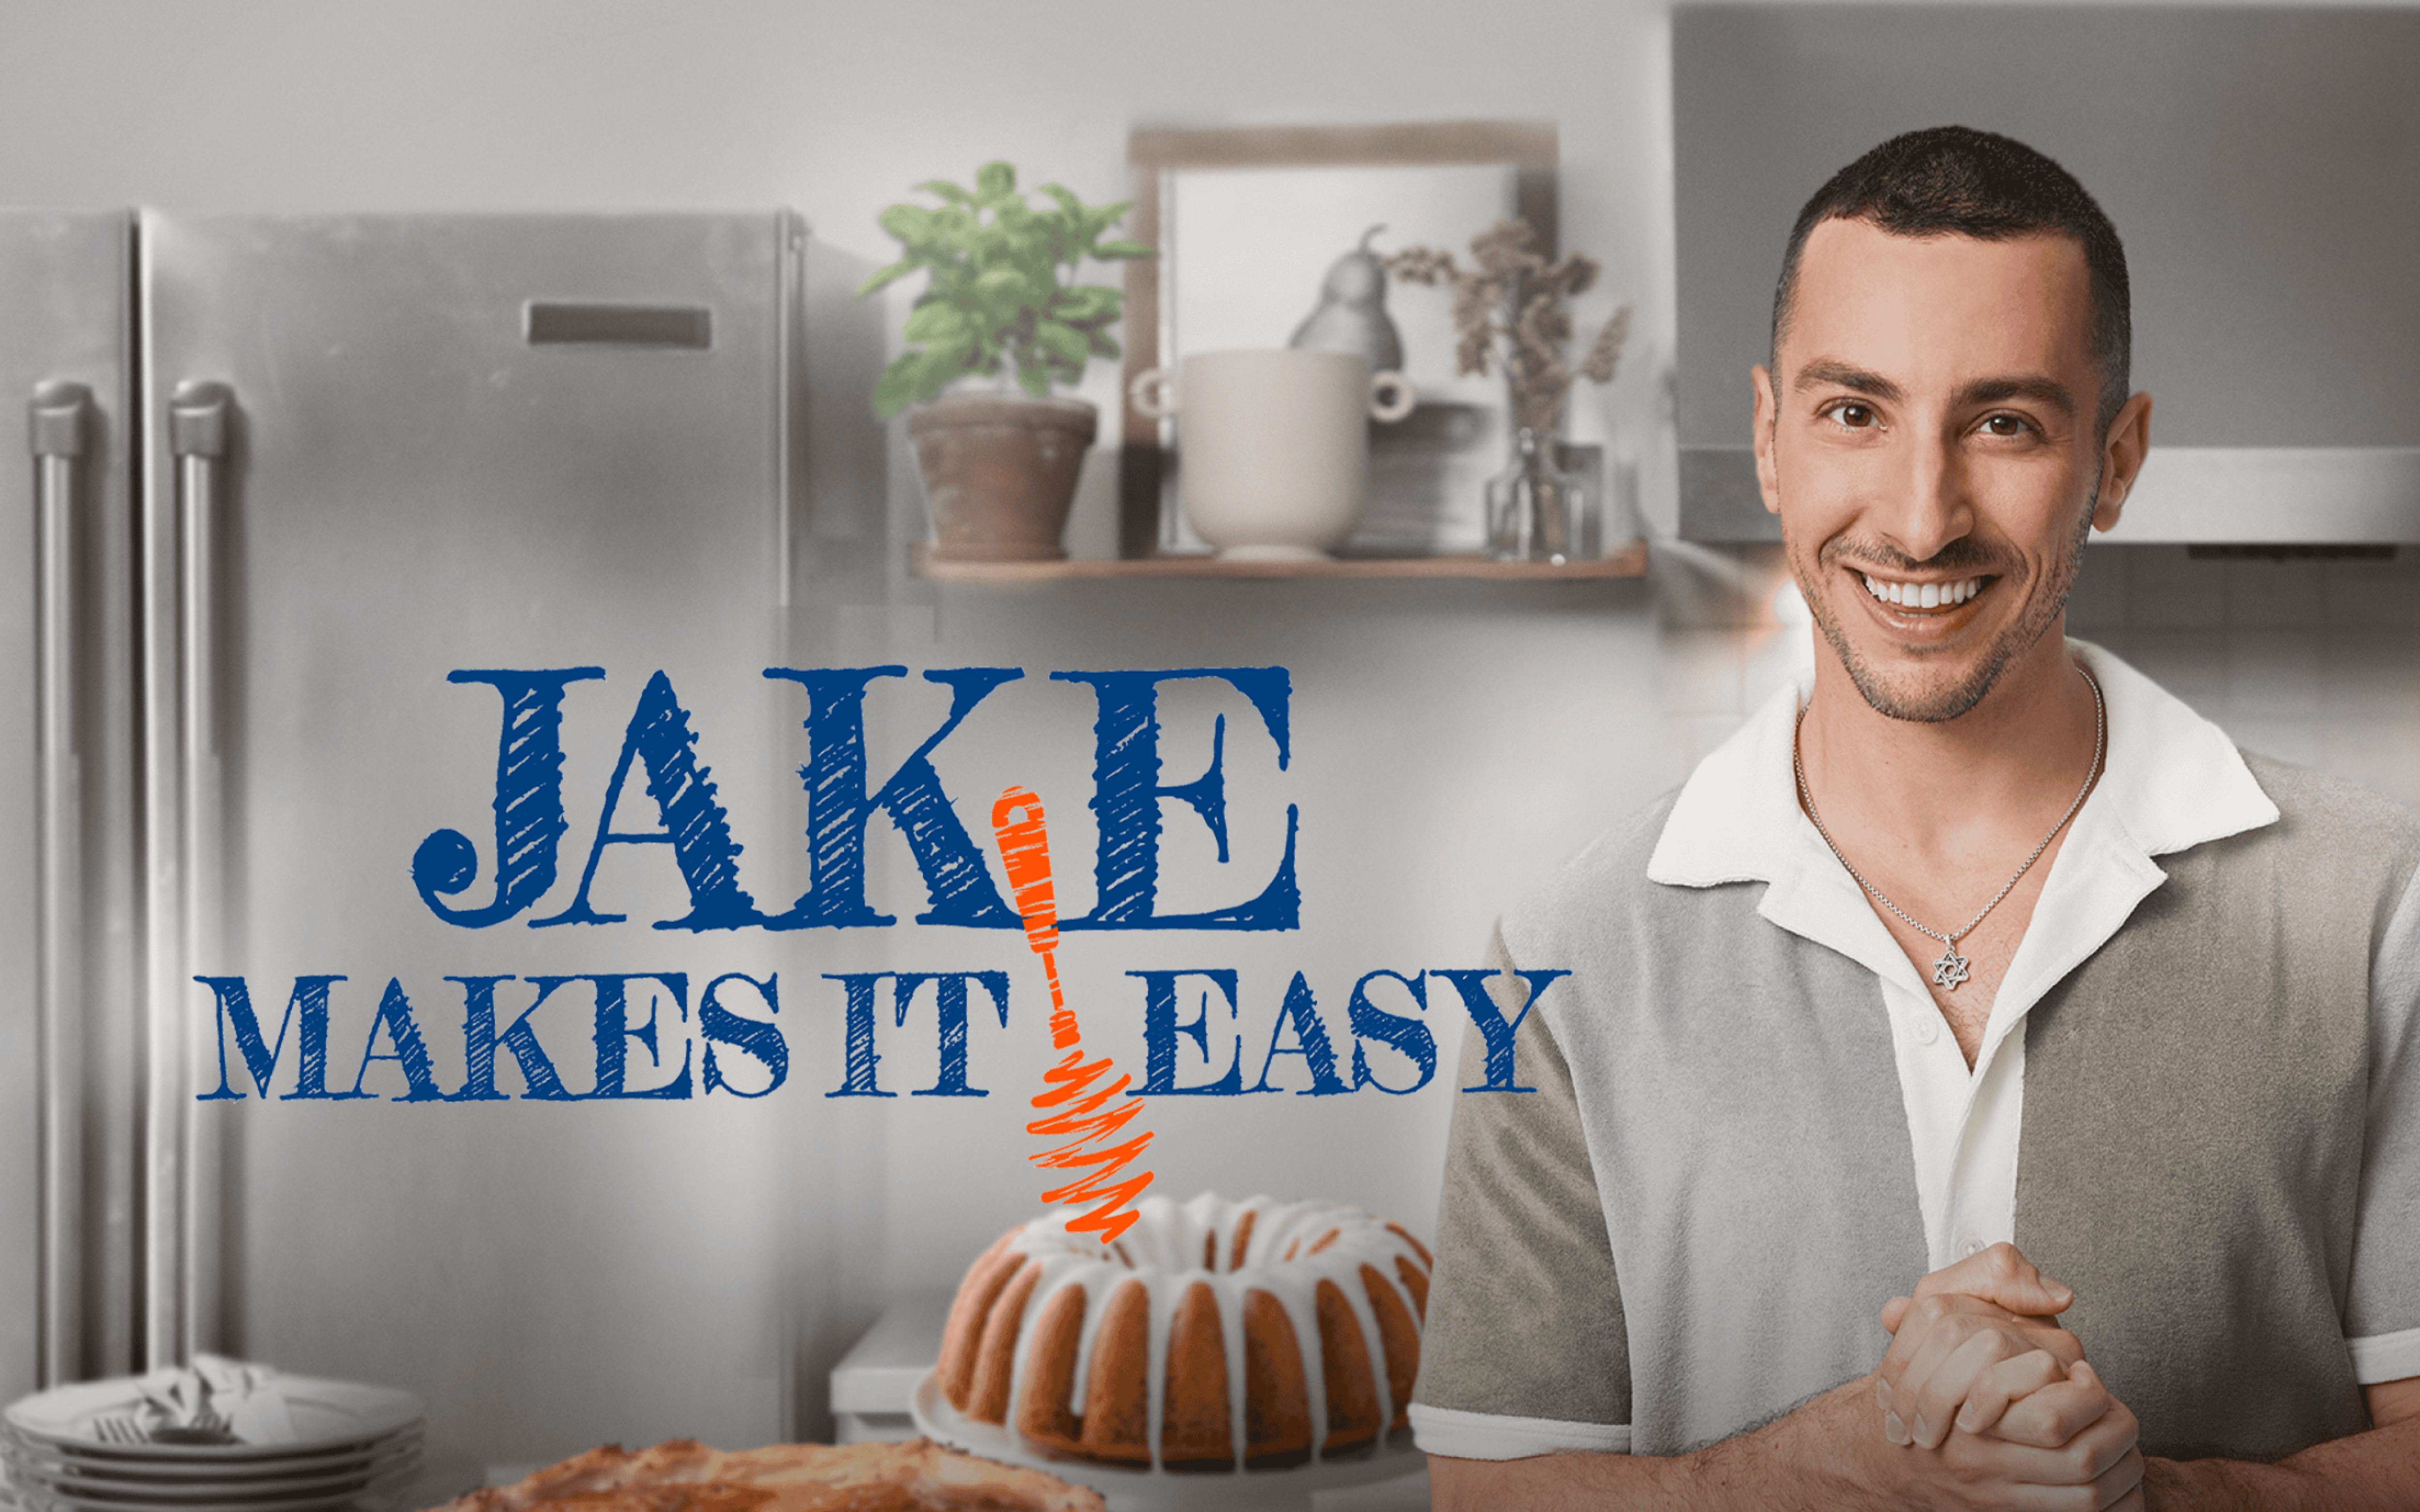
(89, 1448)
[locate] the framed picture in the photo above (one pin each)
(1251, 221)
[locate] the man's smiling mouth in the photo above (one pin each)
(1922, 595)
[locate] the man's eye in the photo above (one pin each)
(2006, 426)
(1854, 416)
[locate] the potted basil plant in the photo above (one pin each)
(999, 463)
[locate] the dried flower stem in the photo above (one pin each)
(1511, 308)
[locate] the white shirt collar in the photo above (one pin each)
(2173, 780)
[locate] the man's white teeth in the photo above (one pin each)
(1922, 595)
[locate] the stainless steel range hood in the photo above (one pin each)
(2262, 165)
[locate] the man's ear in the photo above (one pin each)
(2121, 460)
(1767, 480)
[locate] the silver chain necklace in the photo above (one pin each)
(1951, 970)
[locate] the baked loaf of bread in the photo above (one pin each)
(682, 1475)
(1210, 1336)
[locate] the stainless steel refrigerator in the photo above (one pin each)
(284, 477)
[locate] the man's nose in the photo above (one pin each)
(1930, 504)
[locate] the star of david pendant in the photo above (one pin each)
(1950, 969)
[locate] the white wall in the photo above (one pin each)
(1451, 740)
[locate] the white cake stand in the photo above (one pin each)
(1160, 1490)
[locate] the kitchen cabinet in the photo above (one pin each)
(2262, 166)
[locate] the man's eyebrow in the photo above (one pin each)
(2029, 386)
(1826, 373)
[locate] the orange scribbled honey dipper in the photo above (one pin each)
(1072, 1106)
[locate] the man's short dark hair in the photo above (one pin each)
(1953, 180)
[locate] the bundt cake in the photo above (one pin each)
(1209, 1337)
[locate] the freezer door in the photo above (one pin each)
(66, 789)
(393, 449)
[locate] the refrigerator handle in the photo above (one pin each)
(197, 435)
(181, 1281)
(57, 439)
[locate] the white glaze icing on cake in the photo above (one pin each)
(1350, 1288)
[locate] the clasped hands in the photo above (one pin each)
(1997, 1399)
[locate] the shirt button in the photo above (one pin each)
(1928, 1029)
(1969, 1247)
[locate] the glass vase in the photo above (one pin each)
(1534, 508)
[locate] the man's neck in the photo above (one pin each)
(1949, 820)
(1943, 790)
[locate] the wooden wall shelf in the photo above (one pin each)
(1629, 563)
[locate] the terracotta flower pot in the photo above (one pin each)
(999, 473)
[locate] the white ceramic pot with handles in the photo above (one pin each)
(1272, 447)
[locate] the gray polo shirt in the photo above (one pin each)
(2201, 1075)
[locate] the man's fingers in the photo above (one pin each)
(2093, 1470)
(2005, 1382)
(2001, 1273)
(2105, 1456)
(1934, 1326)
(1972, 1473)
(1995, 1288)
(1921, 1352)
(1939, 1396)
(2058, 1413)
(1893, 1311)
(2121, 1485)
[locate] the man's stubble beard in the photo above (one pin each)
(1942, 705)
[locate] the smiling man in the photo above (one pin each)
(1979, 953)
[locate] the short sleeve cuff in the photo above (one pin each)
(1459, 1435)
(2383, 1357)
